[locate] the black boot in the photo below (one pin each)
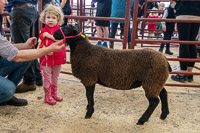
(39, 82)
(190, 78)
(15, 102)
(160, 50)
(111, 44)
(179, 78)
(168, 52)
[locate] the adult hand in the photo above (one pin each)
(30, 43)
(164, 29)
(56, 46)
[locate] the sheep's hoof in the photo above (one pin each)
(140, 122)
(87, 117)
(163, 116)
(89, 114)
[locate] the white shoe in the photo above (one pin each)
(177, 68)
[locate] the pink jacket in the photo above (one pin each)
(57, 58)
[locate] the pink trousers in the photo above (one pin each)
(51, 73)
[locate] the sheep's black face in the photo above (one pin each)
(68, 30)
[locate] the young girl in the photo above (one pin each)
(51, 16)
(152, 25)
(161, 8)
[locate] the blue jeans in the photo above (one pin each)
(114, 30)
(22, 30)
(14, 72)
(7, 89)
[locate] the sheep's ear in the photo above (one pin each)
(75, 30)
(77, 25)
(58, 35)
(70, 26)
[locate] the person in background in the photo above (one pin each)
(53, 2)
(152, 25)
(118, 10)
(161, 7)
(168, 27)
(51, 16)
(187, 32)
(150, 5)
(65, 5)
(103, 10)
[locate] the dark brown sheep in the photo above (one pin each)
(118, 69)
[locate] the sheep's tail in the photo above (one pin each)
(169, 67)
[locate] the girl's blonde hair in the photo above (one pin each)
(52, 9)
(161, 4)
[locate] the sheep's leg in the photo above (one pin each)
(90, 98)
(153, 103)
(164, 102)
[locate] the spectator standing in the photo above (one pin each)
(189, 10)
(168, 27)
(118, 10)
(103, 10)
(65, 5)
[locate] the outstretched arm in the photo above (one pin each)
(30, 43)
(31, 54)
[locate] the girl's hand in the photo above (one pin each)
(47, 35)
(50, 53)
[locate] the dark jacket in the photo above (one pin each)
(188, 8)
(171, 15)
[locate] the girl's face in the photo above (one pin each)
(51, 19)
(161, 7)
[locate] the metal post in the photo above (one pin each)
(126, 25)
